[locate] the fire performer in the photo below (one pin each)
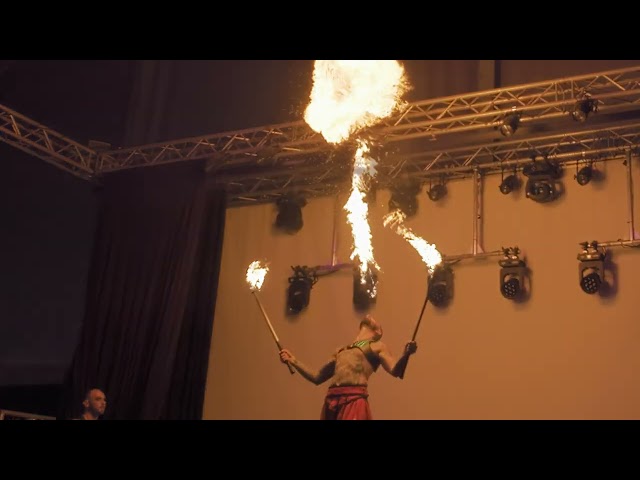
(349, 370)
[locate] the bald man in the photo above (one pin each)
(94, 403)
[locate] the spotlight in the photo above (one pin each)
(509, 184)
(540, 190)
(289, 217)
(441, 286)
(583, 108)
(436, 192)
(541, 184)
(510, 124)
(512, 274)
(404, 196)
(591, 267)
(584, 175)
(299, 291)
(364, 294)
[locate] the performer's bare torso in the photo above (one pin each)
(351, 368)
(354, 364)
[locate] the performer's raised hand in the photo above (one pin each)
(286, 356)
(410, 348)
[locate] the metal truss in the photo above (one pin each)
(243, 147)
(613, 90)
(589, 145)
(261, 164)
(46, 144)
(314, 178)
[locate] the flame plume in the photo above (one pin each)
(347, 97)
(429, 253)
(255, 274)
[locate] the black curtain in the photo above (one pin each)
(151, 295)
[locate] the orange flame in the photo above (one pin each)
(348, 96)
(429, 253)
(357, 208)
(255, 274)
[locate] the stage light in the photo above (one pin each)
(583, 108)
(512, 274)
(540, 190)
(510, 183)
(584, 175)
(591, 267)
(289, 218)
(437, 192)
(510, 124)
(541, 184)
(364, 294)
(299, 291)
(441, 286)
(404, 196)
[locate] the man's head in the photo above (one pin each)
(95, 402)
(374, 327)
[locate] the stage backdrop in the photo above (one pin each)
(562, 355)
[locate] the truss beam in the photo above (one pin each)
(260, 164)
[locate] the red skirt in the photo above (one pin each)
(346, 403)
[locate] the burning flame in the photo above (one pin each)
(429, 253)
(347, 96)
(357, 208)
(255, 274)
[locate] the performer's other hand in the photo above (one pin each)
(411, 348)
(285, 356)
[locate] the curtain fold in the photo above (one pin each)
(151, 295)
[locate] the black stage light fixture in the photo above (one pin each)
(584, 175)
(541, 190)
(509, 124)
(404, 196)
(441, 286)
(510, 183)
(542, 179)
(299, 291)
(437, 192)
(289, 218)
(591, 267)
(512, 274)
(583, 108)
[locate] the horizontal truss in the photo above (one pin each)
(261, 164)
(317, 178)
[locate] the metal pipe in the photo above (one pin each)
(474, 248)
(632, 231)
(320, 270)
(620, 243)
(465, 256)
(477, 212)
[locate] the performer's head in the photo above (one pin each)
(95, 402)
(374, 327)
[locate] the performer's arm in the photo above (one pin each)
(388, 361)
(321, 376)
